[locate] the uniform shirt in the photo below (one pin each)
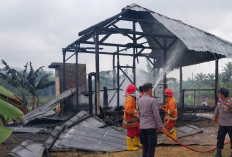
(171, 108)
(149, 113)
(224, 111)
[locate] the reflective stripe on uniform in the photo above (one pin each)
(173, 118)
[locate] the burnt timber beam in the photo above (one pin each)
(106, 53)
(64, 71)
(122, 32)
(77, 78)
(97, 79)
(137, 20)
(216, 81)
(104, 38)
(102, 24)
(129, 45)
(118, 78)
(134, 53)
(137, 54)
(181, 87)
(129, 31)
(114, 72)
(126, 75)
(165, 74)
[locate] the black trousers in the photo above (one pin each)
(222, 131)
(148, 139)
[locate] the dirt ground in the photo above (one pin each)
(161, 151)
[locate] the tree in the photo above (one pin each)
(16, 79)
(29, 82)
(227, 73)
(37, 79)
(201, 78)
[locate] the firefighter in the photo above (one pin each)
(171, 112)
(131, 119)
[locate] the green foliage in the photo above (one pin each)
(4, 133)
(27, 82)
(8, 112)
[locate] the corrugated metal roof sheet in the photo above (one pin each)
(83, 132)
(92, 139)
(28, 149)
(193, 38)
(44, 110)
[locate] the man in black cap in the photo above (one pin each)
(223, 110)
(149, 121)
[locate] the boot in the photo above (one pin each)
(219, 153)
(130, 144)
(173, 134)
(137, 142)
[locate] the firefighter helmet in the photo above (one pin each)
(130, 89)
(168, 92)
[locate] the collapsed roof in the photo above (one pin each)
(190, 44)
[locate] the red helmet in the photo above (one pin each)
(168, 92)
(130, 89)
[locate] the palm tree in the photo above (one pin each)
(210, 80)
(36, 80)
(201, 78)
(227, 73)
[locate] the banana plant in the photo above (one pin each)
(7, 113)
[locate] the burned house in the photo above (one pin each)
(150, 35)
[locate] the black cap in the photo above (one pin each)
(141, 88)
(224, 91)
(147, 86)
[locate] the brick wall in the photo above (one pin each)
(70, 76)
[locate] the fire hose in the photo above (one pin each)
(182, 144)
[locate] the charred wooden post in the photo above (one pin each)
(114, 72)
(90, 92)
(77, 86)
(182, 99)
(97, 79)
(105, 95)
(118, 78)
(216, 81)
(181, 80)
(64, 72)
(134, 53)
(165, 74)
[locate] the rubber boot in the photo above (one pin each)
(219, 153)
(130, 144)
(137, 142)
(173, 134)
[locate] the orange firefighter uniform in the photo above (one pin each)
(131, 119)
(171, 113)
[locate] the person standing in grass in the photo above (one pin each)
(223, 110)
(150, 120)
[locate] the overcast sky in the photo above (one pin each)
(37, 30)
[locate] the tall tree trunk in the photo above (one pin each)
(33, 102)
(24, 100)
